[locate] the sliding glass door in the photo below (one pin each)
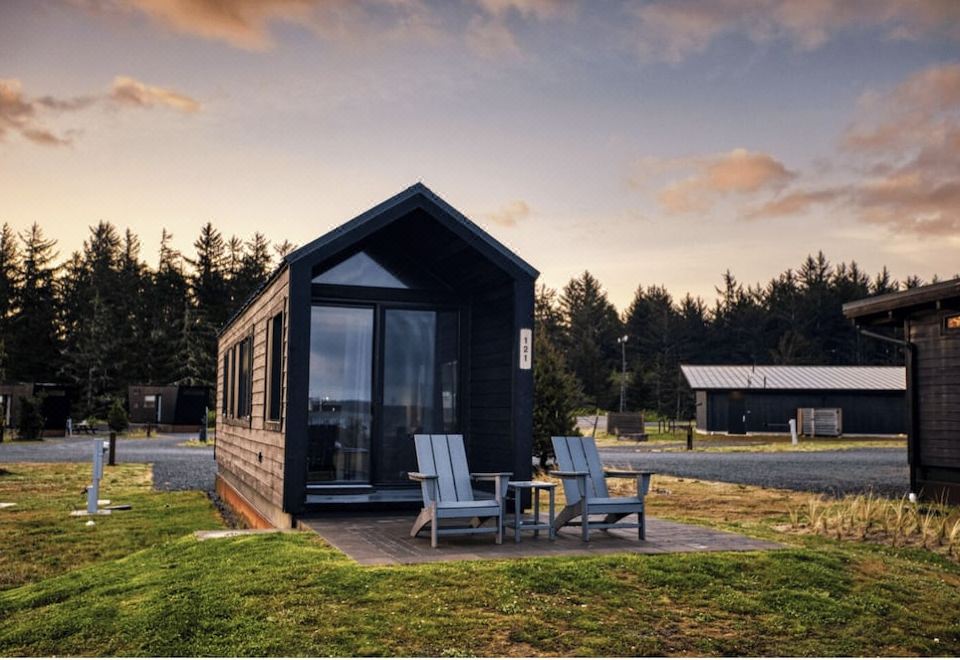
(378, 375)
(420, 381)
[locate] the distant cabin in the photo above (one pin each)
(169, 407)
(739, 399)
(55, 402)
(929, 317)
(407, 319)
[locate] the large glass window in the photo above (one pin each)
(420, 377)
(340, 394)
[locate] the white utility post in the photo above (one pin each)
(93, 493)
(793, 432)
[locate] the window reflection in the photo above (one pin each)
(340, 411)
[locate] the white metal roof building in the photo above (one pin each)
(747, 377)
(741, 399)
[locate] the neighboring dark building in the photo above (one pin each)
(173, 406)
(55, 404)
(930, 320)
(762, 399)
(407, 319)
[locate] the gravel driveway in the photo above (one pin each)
(835, 472)
(174, 467)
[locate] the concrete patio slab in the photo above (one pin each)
(379, 539)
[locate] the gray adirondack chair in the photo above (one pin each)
(585, 489)
(447, 487)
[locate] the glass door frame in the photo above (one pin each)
(381, 300)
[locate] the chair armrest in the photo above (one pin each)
(499, 479)
(489, 476)
(568, 474)
(617, 472)
(419, 476)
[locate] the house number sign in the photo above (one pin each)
(526, 348)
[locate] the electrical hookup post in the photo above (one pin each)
(100, 447)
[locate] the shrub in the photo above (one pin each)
(117, 418)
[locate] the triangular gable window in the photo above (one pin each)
(362, 269)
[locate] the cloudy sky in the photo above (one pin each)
(656, 142)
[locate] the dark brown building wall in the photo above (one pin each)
(936, 442)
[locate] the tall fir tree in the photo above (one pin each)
(9, 292)
(591, 328)
(170, 302)
(212, 306)
(34, 327)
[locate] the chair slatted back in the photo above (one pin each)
(577, 454)
(444, 456)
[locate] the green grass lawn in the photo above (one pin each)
(38, 538)
(291, 594)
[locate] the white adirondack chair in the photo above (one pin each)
(585, 489)
(447, 487)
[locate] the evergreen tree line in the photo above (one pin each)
(102, 319)
(795, 319)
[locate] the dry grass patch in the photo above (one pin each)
(933, 526)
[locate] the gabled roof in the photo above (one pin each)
(447, 215)
(749, 377)
(889, 304)
(418, 195)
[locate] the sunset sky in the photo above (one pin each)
(649, 142)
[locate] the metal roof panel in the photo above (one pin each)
(750, 377)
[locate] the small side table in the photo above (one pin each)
(519, 522)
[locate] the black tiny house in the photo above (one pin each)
(739, 399)
(173, 406)
(929, 317)
(407, 319)
(55, 400)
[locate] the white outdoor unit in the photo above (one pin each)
(826, 422)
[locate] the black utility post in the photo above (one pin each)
(689, 437)
(203, 427)
(112, 453)
(623, 368)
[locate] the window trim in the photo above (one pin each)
(238, 372)
(944, 324)
(273, 369)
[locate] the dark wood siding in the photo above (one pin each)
(490, 384)
(937, 400)
(864, 413)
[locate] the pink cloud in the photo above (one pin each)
(739, 172)
(129, 91)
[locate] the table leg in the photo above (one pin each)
(536, 511)
(552, 532)
(516, 515)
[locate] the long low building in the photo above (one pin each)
(739, 399)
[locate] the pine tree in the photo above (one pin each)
(96, 312)
(34, 330)
(211, 308)
(169, 304)
(591, 328)
(283, 249)
(254, 267)
(555, 395)
(9, 292)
